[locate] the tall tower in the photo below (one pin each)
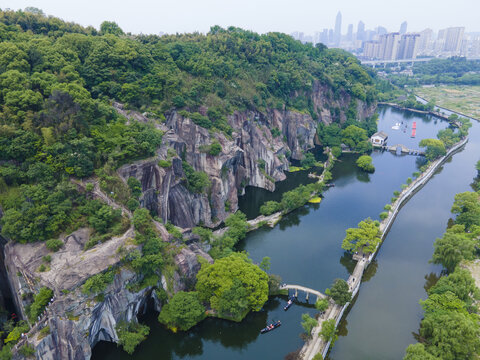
(403, 28)
(350, 32)
(361, 31)
(338, 29)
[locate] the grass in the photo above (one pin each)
(463, 99)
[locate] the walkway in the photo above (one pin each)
(306, 290)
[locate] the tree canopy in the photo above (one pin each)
(183, 311)
(364, 162)
(364, 238)
(233, 286)
(434, 148)
(339, 292)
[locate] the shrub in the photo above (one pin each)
(215, 149)
(133, 204)
(27, 350)
(131, 334)
(383, 215)
(54, 244)
(98, 283)
(364, 162)
(47, 258)
(388, 207)
(164, 163)
(40, 302)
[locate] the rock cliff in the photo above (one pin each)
(253, 156)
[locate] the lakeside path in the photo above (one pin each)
(316, 344)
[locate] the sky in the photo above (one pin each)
(308, 16)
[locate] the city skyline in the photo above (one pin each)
(308, 16)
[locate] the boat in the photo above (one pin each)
(396, 126)
(289, 303)
(330, 185)
(414, 133)
(414, 125)
(270, 327)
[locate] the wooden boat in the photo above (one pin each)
(270, 327)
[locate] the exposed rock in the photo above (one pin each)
(251, 156)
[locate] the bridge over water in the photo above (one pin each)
(304, 289)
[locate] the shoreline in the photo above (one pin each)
(316, 344)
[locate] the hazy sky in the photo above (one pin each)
(170, 16)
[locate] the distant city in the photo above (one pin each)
(380, 44)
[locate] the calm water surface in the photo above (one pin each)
(305, 248)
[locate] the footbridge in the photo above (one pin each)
(306, 290)
(401, 149)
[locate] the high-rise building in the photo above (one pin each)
(331, 36)
(350, 32)
(424, 41)
(361, 31)
(388, 46)
(381, 30)
(407, 47)
(324, 36)
(338, 29)
(453, 39)
(403, 28)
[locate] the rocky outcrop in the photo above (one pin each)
(251, 156)
(78, 321)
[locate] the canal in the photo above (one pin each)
(305, 249)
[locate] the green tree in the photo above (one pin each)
(329, 331)
(418, 352)
(356, 139)
(265, 264)
(451, 335)
(321, 304)
(452, 248)
(434, 148)
(131, 334)
(467, 208)
(308, 160)
(365, 237)
(364, 162)
(339, 292)
(111, 27)
(183, 311)
(308, 323)
(217, 282)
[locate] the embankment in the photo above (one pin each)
(317, 344)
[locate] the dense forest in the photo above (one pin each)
(58, 81)
(452, 71)
(58, 84)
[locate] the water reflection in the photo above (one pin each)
(430, 280)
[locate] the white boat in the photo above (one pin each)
(396, 126)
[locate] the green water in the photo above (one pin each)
(305, 249)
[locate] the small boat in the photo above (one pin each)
(289, 303)
(414, 133)
(270, 327)
(414, 125)
(329, 185)
(396, 126)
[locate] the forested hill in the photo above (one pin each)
(58, 81)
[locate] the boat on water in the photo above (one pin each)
(414, 133)
(414, 125)
(396, 126)
(271, 327)
(289, 303)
